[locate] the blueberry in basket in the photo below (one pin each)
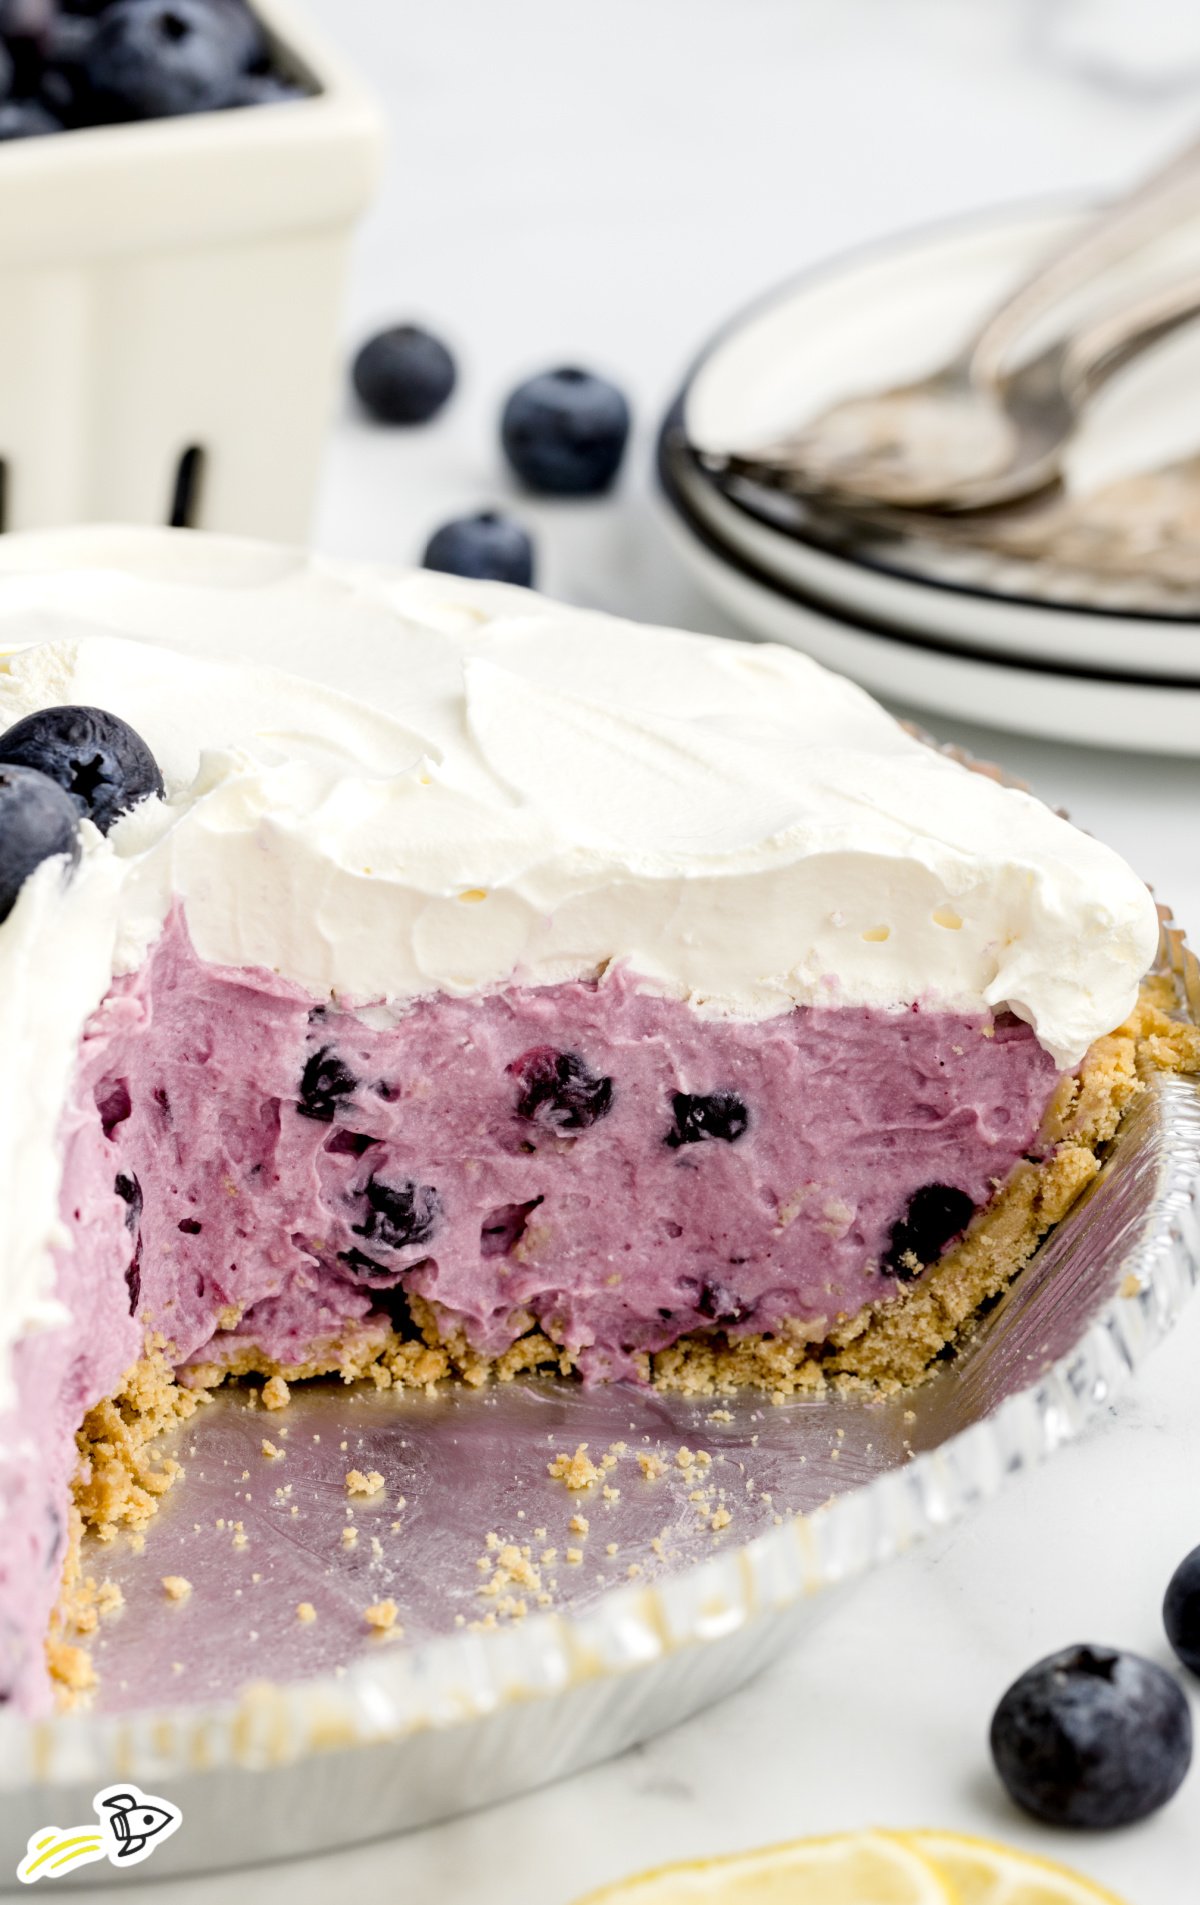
(74, 63)
(26, 119)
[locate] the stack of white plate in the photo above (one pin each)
(1041, 649)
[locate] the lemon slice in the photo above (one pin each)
(852, 1868)
(981, 1873)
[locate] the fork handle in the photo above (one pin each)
(1099, 350)
(1168, 195)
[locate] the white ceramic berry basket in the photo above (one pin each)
(221, 1708)
(170, 292)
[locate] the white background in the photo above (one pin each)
(605, 184)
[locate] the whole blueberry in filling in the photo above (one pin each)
(98, 759)
(130, 1192)
(558, 1090)
(323, 1083)
(936, 1214)
(721, 1115)
(399, 1214)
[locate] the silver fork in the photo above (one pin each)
(1042, 403)
(972, 434)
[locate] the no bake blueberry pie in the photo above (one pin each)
(413, 978)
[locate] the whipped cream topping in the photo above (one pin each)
(386, 785)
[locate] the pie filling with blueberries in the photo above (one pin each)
(418, 980)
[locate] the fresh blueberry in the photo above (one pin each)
(399, 1214)
(565, 432)
(404, 375)
(1092, 1737)
(37, 822)
(558, 1090)
(720, 1115)
(324, 1082)
(1181, 1611)
(935, 1214)
(490, 547)
(99, 759)
(156, 59)
(26, 119)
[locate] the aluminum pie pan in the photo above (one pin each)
(386, 1737)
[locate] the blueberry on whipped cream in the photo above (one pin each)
(97, 758)
(38, 822)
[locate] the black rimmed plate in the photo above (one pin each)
(1038, 648)
(1025, 695)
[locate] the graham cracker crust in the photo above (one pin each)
(888, 1345)
(893, 1344)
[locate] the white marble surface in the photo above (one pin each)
(605, 184)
